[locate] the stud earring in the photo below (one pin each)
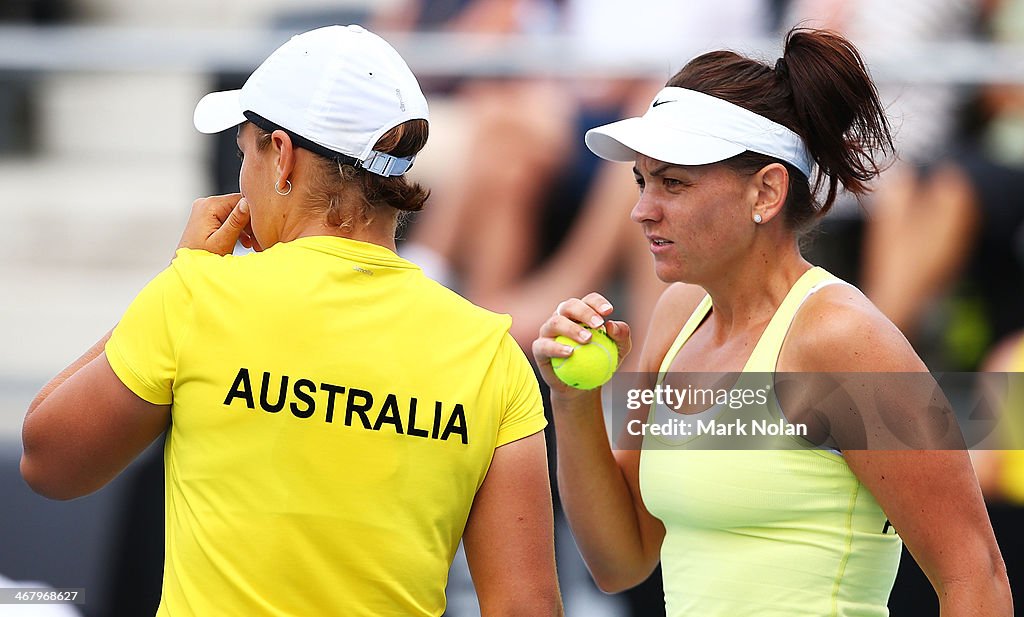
(758, 219)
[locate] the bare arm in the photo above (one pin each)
(933, 501)
(600, 489)
(71, 369)
(930, 495)
(84, 427)
(509, 537)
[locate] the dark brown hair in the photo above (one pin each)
(331, 180)
(821, 90)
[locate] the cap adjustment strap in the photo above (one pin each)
(386, 164)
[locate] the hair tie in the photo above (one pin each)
(781, 68)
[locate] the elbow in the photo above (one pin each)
(1000, 580)
(618, 581)
(39, 468)
(34, 471)
(622, 570)
(988, 594)
(611, 585)
(45, 483)
(49, 474)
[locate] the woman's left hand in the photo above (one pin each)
(216, 224)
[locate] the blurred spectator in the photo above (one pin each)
(923, 115)
(943, 218)
(1001, 469)
(525, 215)
(957, 226)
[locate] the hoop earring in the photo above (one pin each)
(288, 183)
(758, 219)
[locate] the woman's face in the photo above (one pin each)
(697, 219)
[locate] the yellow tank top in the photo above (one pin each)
(768, 532)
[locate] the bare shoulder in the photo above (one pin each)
(838, 329)
(674, 307)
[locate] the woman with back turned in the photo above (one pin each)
(337, 421)
(724, 159)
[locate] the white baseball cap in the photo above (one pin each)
(336, 90)
(686, 127)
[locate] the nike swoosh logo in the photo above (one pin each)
(656, 103)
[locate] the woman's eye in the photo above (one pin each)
(238, 153)
(639, 182)
(672, 183)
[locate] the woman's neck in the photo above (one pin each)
(750, 293)
(381, 230)
(385, 238)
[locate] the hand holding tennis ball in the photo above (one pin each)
(591, 364)
(579, 346)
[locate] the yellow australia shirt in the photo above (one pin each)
(333, 413)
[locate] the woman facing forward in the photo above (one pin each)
(723, 159)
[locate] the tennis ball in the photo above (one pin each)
(591, 364)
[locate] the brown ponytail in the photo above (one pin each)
(821, 90)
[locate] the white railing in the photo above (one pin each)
(106, 48)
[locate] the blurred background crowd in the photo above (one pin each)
(99, 164)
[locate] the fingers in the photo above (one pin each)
(546, 348)
(599, 303)
(591, 310)
(571, 319)
(217, 207)
(223, 239)
(239, 216)
(216, 223)
(561, 325)
(618, 331)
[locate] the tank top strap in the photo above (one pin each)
(766, 353)
(696, 317)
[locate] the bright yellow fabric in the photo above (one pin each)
(334, 413)
(1011, 478)
(774, 532)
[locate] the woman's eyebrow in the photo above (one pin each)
(658, 170)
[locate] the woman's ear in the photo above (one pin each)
(285, 150)
(770, 187)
